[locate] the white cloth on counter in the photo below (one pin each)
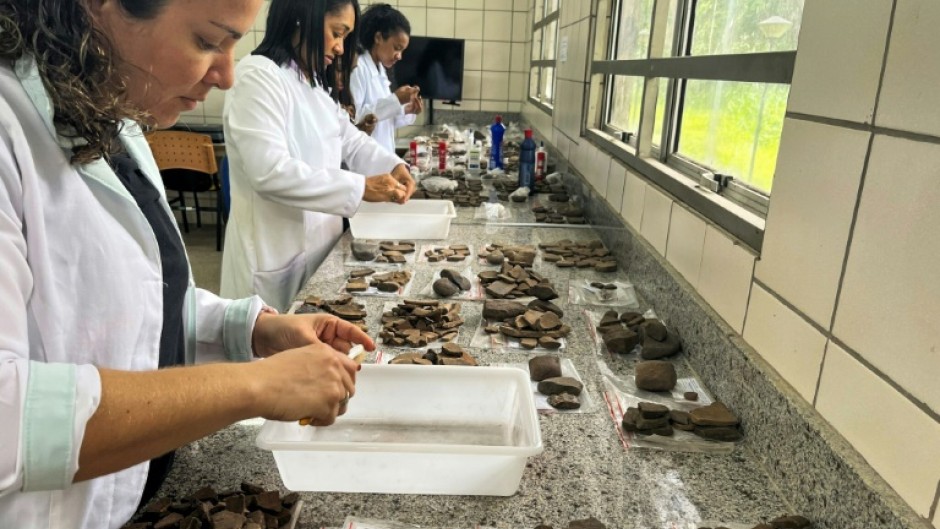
(286, 141)
(82, 289)
(372, 94)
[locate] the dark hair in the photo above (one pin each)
(77, 66)
(384, 19)
(285, 17)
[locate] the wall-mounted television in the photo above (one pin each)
(435, 64)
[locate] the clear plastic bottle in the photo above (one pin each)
(496, 148)
(527, 161)
(473, 159)
(541, 161)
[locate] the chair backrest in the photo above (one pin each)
(183, 150)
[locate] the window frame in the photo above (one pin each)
(541, 64)
(739, 208)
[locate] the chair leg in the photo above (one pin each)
(183, 212)
(198, 211)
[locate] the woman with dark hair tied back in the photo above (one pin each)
(96, 286)
(384, 37)
(287, 138)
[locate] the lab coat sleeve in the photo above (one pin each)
(223, 327)
(256, 114)
(386, 106)
(363, 155)
(44, 407)
(405, 120)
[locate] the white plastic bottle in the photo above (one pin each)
(473, 159)
(541, 161)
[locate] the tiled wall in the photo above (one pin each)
(844, 299)
(496, 54)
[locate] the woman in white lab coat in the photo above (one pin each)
(383, 38)
(96, 288)
(286, 138)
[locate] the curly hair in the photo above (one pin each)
(77, 66)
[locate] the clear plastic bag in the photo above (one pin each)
(388, 307)
(475, 292)
(568, 369)
(507, 344)
(582, 292)
(492, 211)
(438, 184)
(619, 397)
(404, 291)
(593, 319)
(353, 522)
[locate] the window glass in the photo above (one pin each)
(534, 83)
(548, 45)
(537, 45)
(548, 85)
(734, 128)
(746, 26)
(625, 102)
(633, 29)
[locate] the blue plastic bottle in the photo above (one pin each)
(496, 148)
(527, 161)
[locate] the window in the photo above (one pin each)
(699, 87)
(542, 72)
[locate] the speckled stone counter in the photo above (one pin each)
(790, 460)
(584, 470)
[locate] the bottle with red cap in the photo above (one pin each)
(541, 160)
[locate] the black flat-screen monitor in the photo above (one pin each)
(434, 64)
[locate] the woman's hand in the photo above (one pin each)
(275, 333)
(406, 93)
(315, 382)
(368, 123)
(403, 176)
(386, 188)
(415, 106)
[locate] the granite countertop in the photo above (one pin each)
(584, 470)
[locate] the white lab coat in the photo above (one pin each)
(286, 141)
(372, 94)
(81, 288)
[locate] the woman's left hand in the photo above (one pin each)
(415, 106)
(279, 332)
(403, 175)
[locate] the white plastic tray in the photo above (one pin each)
(416, 219)
(411, 430)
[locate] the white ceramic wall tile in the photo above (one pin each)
(725, 278)
(577, 50)
(441, 22)
(441, 3)
(657, 211)
(634, 195)
(849, 393)
(470, 105)
(685, 244)
(615, 185)
(417, 17)
(520, 5)
(415, 3)
(785, 340)
(515, 106)
(497, 25)
(521, 29)
(564, 68)
(838, 66)
(936, 517)
(214, 102)
(470, 25)
(196, 116)
(473, 55)
(495, 85)
(517, 87)
(468, 4)
(494, 106)
(585, 9)
(891, 280)
(600, 167)
(815, 189)
(262, 19)
(497, 5)
(496, 57)
(471, 84)
(909, 99)
(519, 61)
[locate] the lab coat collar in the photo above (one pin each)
(375, 69)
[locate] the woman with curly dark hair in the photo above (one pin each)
(96, 287)
(383, 38)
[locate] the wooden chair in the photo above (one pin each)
(187, 163)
